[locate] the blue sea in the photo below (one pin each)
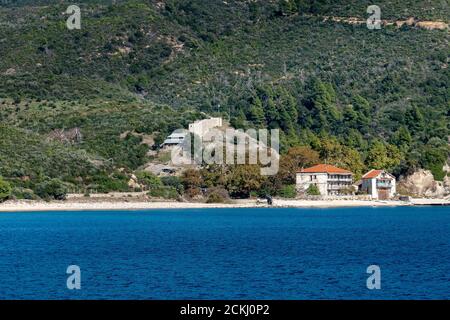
(227, 253)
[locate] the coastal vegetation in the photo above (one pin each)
(53, 189)
(313, 191)
(5, 189)
(137, 70)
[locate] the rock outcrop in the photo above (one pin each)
(133, 183)
(422, 184)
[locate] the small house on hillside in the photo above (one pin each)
(199, 128)
(175, 139)
(379, 184)
(329, 180)
(202, 127)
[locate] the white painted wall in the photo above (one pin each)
(373, 188)
(394, 188)
(370, 186)
(201, 127)
(304, 180)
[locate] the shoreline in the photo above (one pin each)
(108, 205)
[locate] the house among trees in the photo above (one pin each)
(199, 128)
(326, 180)
(379, 184)
(176, 138)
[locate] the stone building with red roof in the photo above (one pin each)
(379, 184)
(330, 180)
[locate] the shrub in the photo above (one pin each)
(217, 195)
(313, 190)
(52, 189)
(163, 192)
(243, 179)
(148, 179)
(215, 198)
(348, 191)
(288, 191)
(437, 171)
(193, 192)
(102, 182)
(23, 193)
(172, 181)
(5, 189)
(192, 179)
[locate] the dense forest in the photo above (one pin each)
(355, 97)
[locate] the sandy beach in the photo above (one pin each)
(98, 204)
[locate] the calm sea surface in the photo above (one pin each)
(227, 254)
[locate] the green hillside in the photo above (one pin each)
(360, 97)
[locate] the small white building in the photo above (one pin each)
(199, 128)
(329, 179)
(202, 127)
(379, 184)
(176, 138)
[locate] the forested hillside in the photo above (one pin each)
(361, 98)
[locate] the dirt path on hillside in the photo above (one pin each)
(412, 22)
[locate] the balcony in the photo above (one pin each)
(384, 185)
(338, 186)
(345, 179)
(341, 180)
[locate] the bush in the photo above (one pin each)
(148, 179)
(52, 189)
(193, 192)
(192, 179)
(288, 191)
(172, 181)
(103, 183)
(243, 179)
(23, 194)
(437, 171)
(217, 195)
(5, 190)
(163, 192)
(313, 190)
(215, 198)
(348, 191)
(254, 194)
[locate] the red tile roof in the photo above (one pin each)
(372, 174)
(325, 168)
